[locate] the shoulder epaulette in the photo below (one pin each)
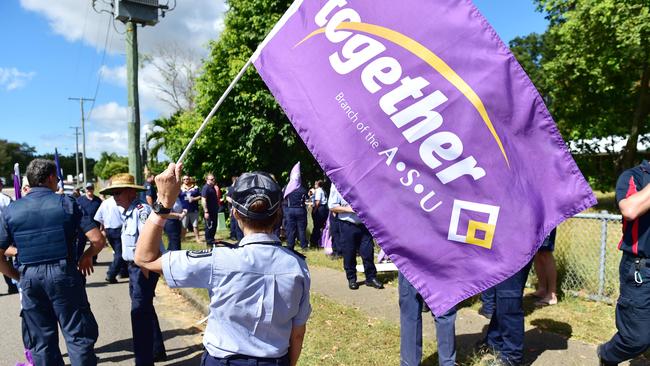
(140, 206)
(225, 244)
(199, 253)
(297, 253)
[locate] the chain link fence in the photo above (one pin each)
(587, 256)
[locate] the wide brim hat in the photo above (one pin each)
(121, 181)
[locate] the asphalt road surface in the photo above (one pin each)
(111, 305)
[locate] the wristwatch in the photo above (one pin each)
(159, 209)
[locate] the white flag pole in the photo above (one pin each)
(214, 109)
(292, 9)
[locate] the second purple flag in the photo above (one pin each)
(429, 127)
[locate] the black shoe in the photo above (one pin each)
(123, 275)
(111, 280)
(374, 283)
(484, 313)
(353, 285)
(160, 357)
(12, 290)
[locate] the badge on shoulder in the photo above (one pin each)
(143, 215)
(199, 253)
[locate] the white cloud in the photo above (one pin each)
(191, 24)
(12, 78)
(109, 115)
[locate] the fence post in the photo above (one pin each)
(603, 248)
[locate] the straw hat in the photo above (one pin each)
(119, 181)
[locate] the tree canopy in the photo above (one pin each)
(592, 66)
(250, 131)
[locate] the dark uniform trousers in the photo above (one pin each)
(632, 312)
(335, 233)
(54, 291)
(211, 228)
(357, 238)
(296, 223)
(505, 333)
(173, 230)
(319, 216)
(235, 230)
(147, 337)
(118, 266)
(237, 360)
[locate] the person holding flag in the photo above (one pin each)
(296, 214)
(43, 226)
(247, 324)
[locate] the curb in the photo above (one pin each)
(195, 300)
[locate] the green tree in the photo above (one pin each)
(593, 67)
(250, 131)
(110, 164)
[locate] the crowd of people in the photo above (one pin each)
(56, 237)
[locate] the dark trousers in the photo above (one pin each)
(147, 337)
(505, 333)
(55, 293)
(11, 287)
(118, 266)
(488, 298)
(207, 360)
(173, 230)
(319, 216)
(410, 319)
(632, 313)
(357, 238)
(235, 230)
(296, 223)
(335, 233)
(210, 229)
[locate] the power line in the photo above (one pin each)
(101, 69)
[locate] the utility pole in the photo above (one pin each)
(83, 133)
(76, 155)
(135, 159)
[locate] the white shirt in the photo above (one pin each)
(4, 202)
(110, 214)
(319, 195)
(337, 200)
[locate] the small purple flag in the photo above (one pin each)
(59, 171)
(17, 186)
(417, 108)
(294, 180)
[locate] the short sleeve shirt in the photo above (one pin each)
(90, 205)
(636, 233)
(186, 194)
(134, 219)
(259, 291)
(211, 198)
(109, 214)
(319, 195)
(336, 200)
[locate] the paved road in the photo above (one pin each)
(111, 306)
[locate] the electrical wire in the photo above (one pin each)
(101, 69)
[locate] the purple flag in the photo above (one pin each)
(17, 190)
(294, 180)
(418, 108)
(59, 171)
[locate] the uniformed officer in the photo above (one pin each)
(148, 344)
(260, 290)
(505, 334)
(319, 213)
(353, 236)
(633, 307)
(43, 225)
(109, 215)
(296, 217)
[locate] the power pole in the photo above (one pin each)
(76, 155)
(135, 159)
(83, 133)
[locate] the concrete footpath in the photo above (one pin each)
(541, 348)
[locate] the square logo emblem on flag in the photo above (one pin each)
(479, 222)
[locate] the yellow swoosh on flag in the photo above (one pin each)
(430, 58)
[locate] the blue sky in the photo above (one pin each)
(52, 50)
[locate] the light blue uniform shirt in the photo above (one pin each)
(337, 200)
(134, 219)
(319, 195)
(259, 291)
(109, 214)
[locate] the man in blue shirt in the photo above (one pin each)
(90, 204)
(354, 236)
(259, 289)
(43, 226)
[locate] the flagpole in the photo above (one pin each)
(214, 109)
